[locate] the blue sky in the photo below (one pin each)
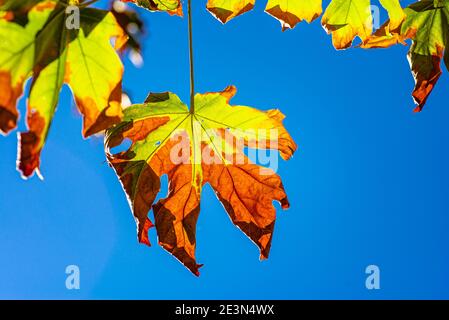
(368, 185)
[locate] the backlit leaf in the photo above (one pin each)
(288, 12)
(427, 24)
(17, 47)
(291, 12)
(206, 146)
(346, 20)
(54, 54)
(225, 10)
(395, 12)
(390, 32)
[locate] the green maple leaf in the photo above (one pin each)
(346, 20)
(53, 54)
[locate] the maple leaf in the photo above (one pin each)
(291, 12)
(390, 32)
(195, 148)
(288, 12)
(427, 24)
(346, 20)
(16, 62)
(172, 7)
(53, 54)
(395, 12)
(225, 10)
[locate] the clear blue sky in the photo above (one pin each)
(369, 184)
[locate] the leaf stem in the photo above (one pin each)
(192, 69)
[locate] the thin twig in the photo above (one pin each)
(192, 73)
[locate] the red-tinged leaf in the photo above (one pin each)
(192, 149)
(426, 71)
(427, 24)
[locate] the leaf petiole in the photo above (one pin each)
(191, 62)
